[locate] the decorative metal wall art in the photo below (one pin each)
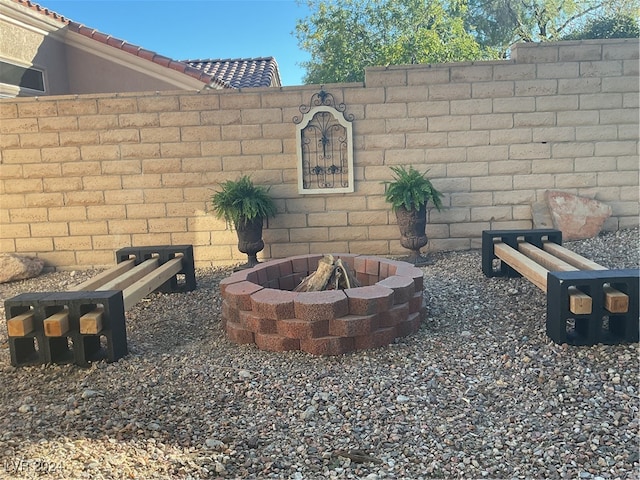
(325, 146)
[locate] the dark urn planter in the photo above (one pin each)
(250, 240)
(413, 225)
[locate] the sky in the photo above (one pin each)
(199, 29)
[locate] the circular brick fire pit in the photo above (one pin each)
(260, 307)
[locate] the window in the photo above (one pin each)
(23, 77)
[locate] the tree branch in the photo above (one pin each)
(579, 15)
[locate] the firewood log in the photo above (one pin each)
(331, 275)
(318, 280)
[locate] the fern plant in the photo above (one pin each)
(411, 189)
(240, 201)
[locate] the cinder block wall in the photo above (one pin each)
(82, 176)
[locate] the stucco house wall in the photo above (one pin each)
(34, 47)
(90, 71)
(75, 63)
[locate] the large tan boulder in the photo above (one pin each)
(576, 217)
(19, 267)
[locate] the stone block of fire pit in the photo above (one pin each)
(327, 345)
(239, 294)
(256, 323)
(237, 334)
(353, 325)
(276, 343)
(370, 299)
(298, 328)
(272, 303)
(403, 288)
(313, 306)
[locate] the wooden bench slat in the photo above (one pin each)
(20, 325)
(96, 282)
(570, 257)
(614, 300)
(140, 289)
(91, 322)
(545, 259)
(131, 276)
(56, 325)
(522, 264)
(579, 302)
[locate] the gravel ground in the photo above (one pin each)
(478, 392)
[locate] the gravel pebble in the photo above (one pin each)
(478, 392)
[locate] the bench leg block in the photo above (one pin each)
(600, 326)
(37, 348)
(29, 349)
(183, 281)
(510, 237)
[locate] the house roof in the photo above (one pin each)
(106, 39)
(241, 72)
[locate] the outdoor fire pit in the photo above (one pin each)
(259, 306)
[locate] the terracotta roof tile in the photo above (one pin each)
(176, 66)
(146, 54)
(42, 10)
(241, 72)
(111, 41)
(125, 46)
(164, 61)
(101, 37)
(132, 49)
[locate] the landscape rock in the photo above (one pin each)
(577, 217)
(19, 267)
(541, 215)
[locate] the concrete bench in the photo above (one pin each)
(587, 303)
(87, 322)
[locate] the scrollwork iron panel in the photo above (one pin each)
(324, 153)
(325, 147)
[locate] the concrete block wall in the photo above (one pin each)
(81, 176)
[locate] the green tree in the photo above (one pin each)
(344, 37)
(616, 26)
(500, 23)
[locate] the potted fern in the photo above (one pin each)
(409, 193)
(244, 206)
